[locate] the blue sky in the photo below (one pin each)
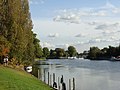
(81, 23)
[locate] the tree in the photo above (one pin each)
(52, 54)
(59, 52)
(4, 48)
(16, 29)
(46, 52)
(94, 51)
(72, 51)
(66, 54)
(38, 50)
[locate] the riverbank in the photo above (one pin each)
(12, 79)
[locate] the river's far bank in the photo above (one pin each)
(12, 79)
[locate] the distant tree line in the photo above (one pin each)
(59, 53)
(17, 39)
(105, 53)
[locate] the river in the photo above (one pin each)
(89, 75)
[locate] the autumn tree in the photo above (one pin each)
(16, 29)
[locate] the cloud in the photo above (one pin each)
(103, 40)
(108, 32)
(52, 46)
(53, 35)
(98, 40)
(107, 26)
(79, 15)
(111, 8)
(95, 41)
(80, 42)
(80, 35)
(102, 26)
(99, 13)
(70, 18)
(92, 23)
(108, 5)
(113, 38)
(64, 46)
(36, 2)
(46, 44)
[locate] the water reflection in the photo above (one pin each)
(89, 75)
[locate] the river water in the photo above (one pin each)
(89, 75)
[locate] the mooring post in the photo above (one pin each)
(58, 83)
(44, 76)
(48, 78)
(62, 79)
(73, 83)
(53, 77)
(38, 74)
(69, 84)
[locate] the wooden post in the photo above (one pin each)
(53, 77)
(58, 83)
(62, 80)
(73, 83)
(48, 78)
(62, 77)
(69, 84)
(44, 76)
(38, 74)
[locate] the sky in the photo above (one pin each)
(80, 23)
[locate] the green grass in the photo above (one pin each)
(11, 79)
(37, 59)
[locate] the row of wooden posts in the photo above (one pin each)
(50, 80)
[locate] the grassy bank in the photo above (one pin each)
(11, 79)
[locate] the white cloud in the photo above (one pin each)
(64, 46)
(53, 46)
(67, 33)
(36, 2)
(108, 5)
(103, 40)
(46, 44)
(101, 27)
(80, 15)
(108, 26)
(111, 9)
(80, 43)
(92, 23)
(113, 38)
(94, 41)
(99, 13)
(109, 32)
(53, 35)
(71, 18)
